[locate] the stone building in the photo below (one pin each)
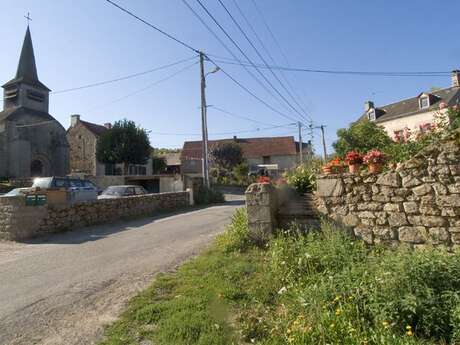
(416, 114)
(32, 142)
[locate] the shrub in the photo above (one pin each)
(302, 179)
(236, 237)
(205, 196)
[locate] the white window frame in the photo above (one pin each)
(371, 115)
(427, 102)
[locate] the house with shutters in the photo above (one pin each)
(416, 114)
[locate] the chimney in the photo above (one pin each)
(455, 78)
(108, 125)
(74, 119)
(235, 138)
(368, 105)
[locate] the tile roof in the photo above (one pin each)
(410, 106)
(96, 129)
(252, 147)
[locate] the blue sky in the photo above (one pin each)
(87, 41)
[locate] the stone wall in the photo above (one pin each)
(19, 222)
(261, 205)
(418, 203)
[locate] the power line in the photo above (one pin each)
(264, 61)
(207, 56)
(231, 53)
(239, 116)
(125, 77)
(153, 26)
(327, 71)
(146, 87)
(223, 133)
(280, 49)
(246, 56)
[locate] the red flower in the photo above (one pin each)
(353, 157)
(374, 156)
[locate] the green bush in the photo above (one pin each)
(205, 196)
(236, 237)
(350, 294)
(302, 178)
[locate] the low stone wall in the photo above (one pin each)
(262, 207)
(19, 222)
(418, 203)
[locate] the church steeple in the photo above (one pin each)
(27, 69)
(26, 90)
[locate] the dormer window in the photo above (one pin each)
(371, 115)
(424, 102)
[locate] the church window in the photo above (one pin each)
(35, 96)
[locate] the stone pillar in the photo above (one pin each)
(261, 204)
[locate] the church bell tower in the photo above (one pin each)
(26, 90)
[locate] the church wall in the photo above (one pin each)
(45, 141)
(3, 153)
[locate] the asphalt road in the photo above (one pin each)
(62, 289)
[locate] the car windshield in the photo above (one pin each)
(120, 191)
(42, 182)
(14, 192)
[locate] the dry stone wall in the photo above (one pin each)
(19, 222)
(418, 203)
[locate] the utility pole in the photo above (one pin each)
(204, 124)
(324, 142)
(300, 143)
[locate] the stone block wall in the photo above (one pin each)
(19, 222)
(418, 203)
(261, 205)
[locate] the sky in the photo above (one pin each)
(89, 41)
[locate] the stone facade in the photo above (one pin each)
(261, 205)
(19, 222)
(32, 142)
(418, 203)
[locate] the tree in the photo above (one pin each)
(361, 136)
(227, 155)
(159, 164)
(124, 143)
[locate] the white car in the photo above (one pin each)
(114, 192)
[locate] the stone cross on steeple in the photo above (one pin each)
(28, 18)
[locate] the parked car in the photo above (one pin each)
(113, 192)
(15, 192)
(80, 190)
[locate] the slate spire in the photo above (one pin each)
(27, 70)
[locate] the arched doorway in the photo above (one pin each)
(36, 168)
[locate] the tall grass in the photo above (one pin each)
(319, 288)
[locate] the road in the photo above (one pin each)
(62, 289)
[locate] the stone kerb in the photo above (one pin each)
(261, 204)
(417, 204)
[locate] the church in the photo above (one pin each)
(32, 142)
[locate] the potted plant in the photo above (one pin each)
(354, 160)
(374, 160)
(336, 165)
(326, 169)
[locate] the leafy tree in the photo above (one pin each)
(158, 164)
(227, 155)
(361, 136)
(241, 172)
(124, 143)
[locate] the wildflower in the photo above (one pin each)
(282, 290)
(337, 298)
(409, 333)
(332, 325)
(338, 311)
(385, 324)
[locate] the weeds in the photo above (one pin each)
(317, 288)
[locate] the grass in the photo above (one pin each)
(320, 288)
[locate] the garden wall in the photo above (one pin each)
(418, 203)
(19, 222)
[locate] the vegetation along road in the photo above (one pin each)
(63, 289)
